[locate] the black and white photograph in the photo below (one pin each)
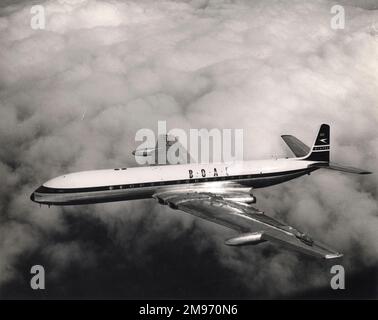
(189, 150)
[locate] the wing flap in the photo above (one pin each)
(206, 206)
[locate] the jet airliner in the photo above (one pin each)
(217, 192)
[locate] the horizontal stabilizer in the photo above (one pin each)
(296, 146)
(339, 167)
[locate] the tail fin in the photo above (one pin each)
(320, 152)
(321, 147)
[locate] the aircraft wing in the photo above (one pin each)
(252, 224)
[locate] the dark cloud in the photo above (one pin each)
(72, 97)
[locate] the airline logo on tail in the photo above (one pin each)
(321, 147)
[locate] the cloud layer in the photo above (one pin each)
(72, 97)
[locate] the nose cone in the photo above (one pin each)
(32, 197)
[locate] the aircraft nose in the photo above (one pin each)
(32, 197)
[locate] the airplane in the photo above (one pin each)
(218, 192)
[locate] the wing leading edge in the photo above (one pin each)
(252, 224)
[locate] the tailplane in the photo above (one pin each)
(340, 167)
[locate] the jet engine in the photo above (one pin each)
(246, 239)
(243, 198)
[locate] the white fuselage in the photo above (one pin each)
(142, 182)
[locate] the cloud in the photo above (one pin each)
(73, 95)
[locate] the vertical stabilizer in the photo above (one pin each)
(321, 147)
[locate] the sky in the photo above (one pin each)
(73, 95)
